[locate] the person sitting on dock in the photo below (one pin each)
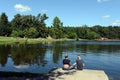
(79, 63)
(66, 63)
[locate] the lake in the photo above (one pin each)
(41, 58)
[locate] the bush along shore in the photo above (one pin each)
(17, 40)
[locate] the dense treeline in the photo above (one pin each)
(30, 26)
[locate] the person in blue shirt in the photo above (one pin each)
(79, 63)
(66, 63)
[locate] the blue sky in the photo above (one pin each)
(70, 12)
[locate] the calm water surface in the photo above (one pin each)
(41, 58)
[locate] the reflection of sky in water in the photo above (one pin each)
(8, 66)
(22, 66)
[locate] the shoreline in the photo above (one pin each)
(13, 40)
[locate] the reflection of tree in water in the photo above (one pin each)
(57, 51)
(4, 51)
(95, 48)
(31, 54)
(35, 54)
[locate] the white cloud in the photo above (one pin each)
(106, 16)
(116, 22)
(22, 8)
(102, 0)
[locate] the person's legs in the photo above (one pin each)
(65, 68)
(72, 67)
(79, 68)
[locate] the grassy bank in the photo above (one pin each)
(13, 40)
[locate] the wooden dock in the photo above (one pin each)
(86, 74)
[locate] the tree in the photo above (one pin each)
(41, 26)
(57, 28)
(84, 31)
(72, 35)
(15, 33)
(56, 22)
(92, 35)
(16, 22)
(24, 22)
(4, 25)
(31, 32)
(4, 19)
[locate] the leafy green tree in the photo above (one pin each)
(34, 26)
(112, 32)
(72, 35)
(4, 25)
(84, 31)
(117, 32)
(4, 19)
(92, 35)
(31, 32)
(41, 26)
(57, 29)
(23, 22)
(56, 22)
(14, 33)
(17, 33)
(16, 22)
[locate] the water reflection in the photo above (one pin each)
(22, 66)
(23, 54)
(35, 54)
(41, 58)
(97, 48)
(4, 52)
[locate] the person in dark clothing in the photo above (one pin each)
(79, 63)
(66, 62)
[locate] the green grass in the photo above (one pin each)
(13, 40)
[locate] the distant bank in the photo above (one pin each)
(17, 40)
